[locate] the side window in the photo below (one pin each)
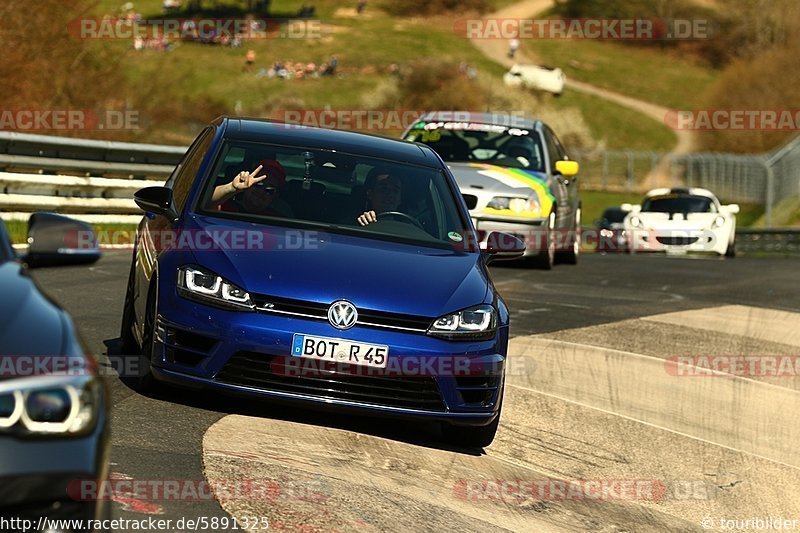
(560, 148)
(182, 178)
(552, 151)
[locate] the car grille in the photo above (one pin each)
(319, 311)
(270, 373)
(677, 241)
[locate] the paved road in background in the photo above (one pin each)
(351, 473)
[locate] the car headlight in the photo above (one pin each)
(499, 202)
(517, 205)
(718, 222)
(606, 233)
(50, 405)
(479, 322)
(636, 222)
(200, 284)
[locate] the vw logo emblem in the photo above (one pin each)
(342, 314)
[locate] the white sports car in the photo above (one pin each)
(681, 220)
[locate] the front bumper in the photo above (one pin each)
(676, 241)
(247, 353)
(41, 477)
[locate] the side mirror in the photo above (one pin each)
(567, 168)
(503, 246)
(732, 208)
(55, 240)
(156, 200)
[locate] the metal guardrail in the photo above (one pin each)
(784, 241)
(49, 154)
(90, 180)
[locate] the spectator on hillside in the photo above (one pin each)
(249, 61)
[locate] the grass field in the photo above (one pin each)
(652, 74)
(194, 83)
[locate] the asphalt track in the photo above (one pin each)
(591, 400)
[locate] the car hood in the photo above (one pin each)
(322, 267)
(30, 324)
(488, 181)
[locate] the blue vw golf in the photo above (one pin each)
(325, 267)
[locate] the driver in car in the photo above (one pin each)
(384, 194)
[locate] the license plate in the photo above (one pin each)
(340, 350)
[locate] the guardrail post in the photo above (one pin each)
(770, 196)
(630, 176)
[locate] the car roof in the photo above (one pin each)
(501, 119)
(272, 132)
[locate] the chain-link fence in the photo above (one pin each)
(764, 178)
(617, 170)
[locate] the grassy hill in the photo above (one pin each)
(177, 91)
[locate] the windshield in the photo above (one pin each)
(614, 215)
(679, 204)
(296, 185)
(481, 143)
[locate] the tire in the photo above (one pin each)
(731, 250)
(144, 381)
(128, 344)
(470, 436)
(546, 258)
(570, 257)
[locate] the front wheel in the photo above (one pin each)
(143, 380)
(570, 256)
(731, 250)
(127, 340)
(547, 255)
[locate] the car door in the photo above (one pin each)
(152, 230)
(559, 185)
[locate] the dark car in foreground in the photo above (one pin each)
(515, 175)
(284, 294)
(53, 405)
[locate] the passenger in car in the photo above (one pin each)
(252, 193)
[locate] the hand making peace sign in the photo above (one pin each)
(245, 180)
